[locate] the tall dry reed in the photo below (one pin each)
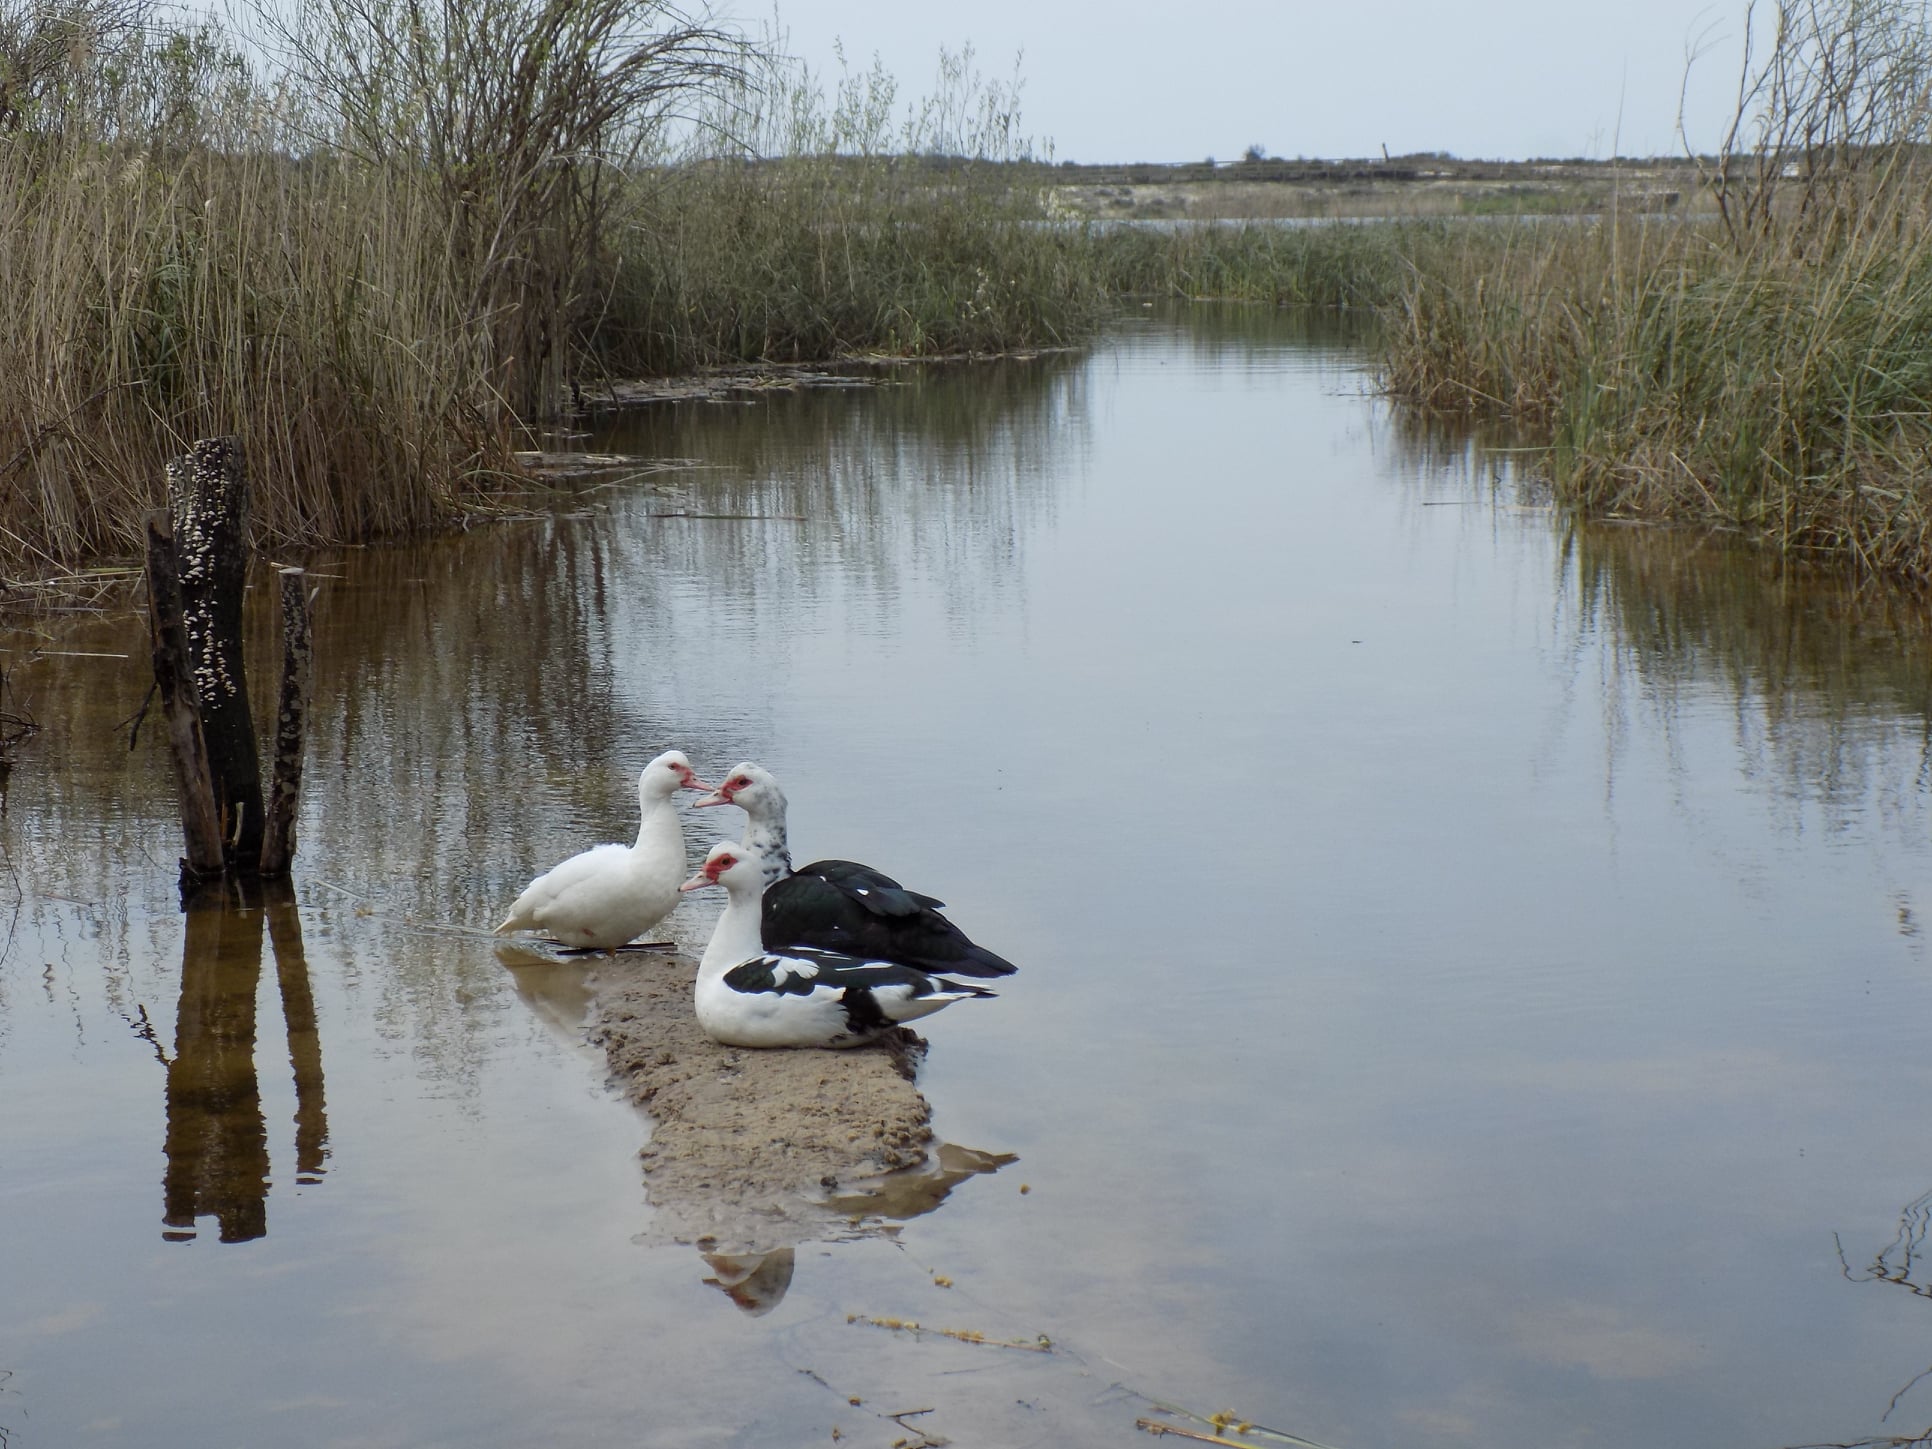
(405, 228)
(804, 223)
(369, 266)
(1768, 371)
(165, 274)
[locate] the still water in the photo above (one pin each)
(1473, 986)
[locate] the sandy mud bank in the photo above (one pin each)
(756, 1150)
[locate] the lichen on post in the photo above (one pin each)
(173, 676)
(208, 503)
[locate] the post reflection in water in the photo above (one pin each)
(1829, 681)
(217, 1140)
(304, 1036)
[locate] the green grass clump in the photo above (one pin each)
(821, 257)
(1325, 264)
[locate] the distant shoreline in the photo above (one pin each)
(1409, 186)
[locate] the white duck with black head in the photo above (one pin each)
(612, 894)
(840, 905)
(749, 996)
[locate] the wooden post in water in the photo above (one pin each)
(291, 715)
(196, 575)
(208, 499)
(200, 823)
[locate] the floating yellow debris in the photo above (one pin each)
(1227, 1422)
(1157, 1429)
(1042, 1344)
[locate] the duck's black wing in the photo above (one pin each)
(873, 995)
(840, 905)
(802, 970)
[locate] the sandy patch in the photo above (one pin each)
(751, 1151)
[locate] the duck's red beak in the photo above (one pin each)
(719, 796)
(698, 882)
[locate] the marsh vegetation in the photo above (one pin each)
(377, 242)
(1765, 369)
(1754, 360)
(381, 243)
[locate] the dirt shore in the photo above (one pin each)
(756, 1150)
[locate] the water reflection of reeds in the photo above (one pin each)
(1901, 1264)
(938, 471)
(1826, 679)
(468, 687)
(482, 703)
(1240, 335)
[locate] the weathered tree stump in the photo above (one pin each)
(197, 574)
(174, 676)
(208, 498)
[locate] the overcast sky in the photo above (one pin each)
(1134, 80)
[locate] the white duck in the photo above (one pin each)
(799, 997)
(611, 894)
(840, 905)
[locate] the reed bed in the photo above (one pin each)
(1771, 391)
(179, 257)
(815, 217)
(813, 258)
(427, 225)
(1766, 369)
(431, 225)
(146, 301)
(1320, 264)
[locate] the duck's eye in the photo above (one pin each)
(743, 782)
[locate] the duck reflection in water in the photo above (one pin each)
(557, 991)
(757, 1282)
(217, 1140)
